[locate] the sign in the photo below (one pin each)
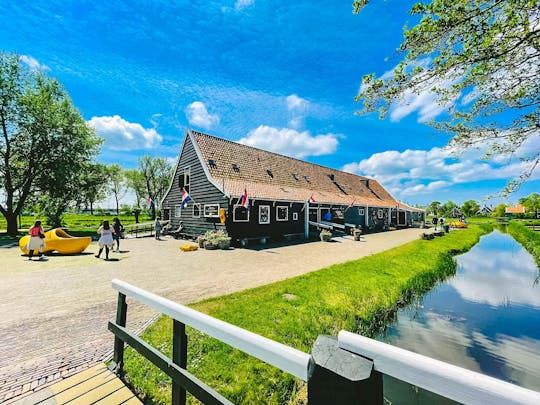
(222, 216)
(211, 210)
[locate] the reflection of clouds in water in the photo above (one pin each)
(497, 277)
(441, 339)
(521, 355)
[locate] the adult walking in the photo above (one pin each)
(106, 239)
(157, 228)
(435, 221)
(37, 234)
(118, 229)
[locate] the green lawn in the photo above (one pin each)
(358, 296)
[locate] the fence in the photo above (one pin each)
(346, 370)
(142, 228)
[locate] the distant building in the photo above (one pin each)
(285, 196)
(515, 210)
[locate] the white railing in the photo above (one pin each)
(444, 379)
(284, 357)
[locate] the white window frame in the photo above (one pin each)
(198, 205)
(286, 211)
(187, 170)
(211, 216)
(178, 211)
(234, 214)
(380, 213)
(360, 211)
(295, 216)
(262, 208)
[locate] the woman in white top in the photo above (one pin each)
(106, 240)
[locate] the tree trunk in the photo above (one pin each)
(91, 208)
(12, 227)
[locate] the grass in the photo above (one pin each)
(359, 296)
(528, 238)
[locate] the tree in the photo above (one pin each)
(531, 202)
(157, 174)
(447, 209)
(499, 210)
(44, 142)
(470, 208)
(116, 183)
(480, 59)
(434, 208)
(136, 181)
(93, 184)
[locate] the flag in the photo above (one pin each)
(150, 202)
(243, 200)
(311, 199)
(185, 198)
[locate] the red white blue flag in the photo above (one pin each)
(185, 198)
(311, 199)
(243, 200)
(150, 202)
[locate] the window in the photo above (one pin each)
(177, 211)
(306, 178)
(295, 216)
(331, 177)
(240, 214)
(187, 173)
(269, 172)
(338, 213)
(211, 210)
(196, 210)
(264, 214)
(282, 213)
(360, 211)
(295, 176)
(380, 214)
(235, 167)
(212, 163)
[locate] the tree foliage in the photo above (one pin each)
(157, 174)
(44, 142)
(135, 180)
(531, 202)
(481, 60)
(499, 210)
(116, 184)
(470, 208)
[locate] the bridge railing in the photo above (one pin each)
(343, 370)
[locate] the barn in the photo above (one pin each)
(286, 196)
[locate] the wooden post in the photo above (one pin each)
(341, 377)
(121, 314)
(179, 357)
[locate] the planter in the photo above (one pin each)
(356, 234)
(210, 246)
(200, 241)
(224, 244)
(325, 236)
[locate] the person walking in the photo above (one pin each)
(118, 229)
(35, 242)
(106, 239)
(157, 228)
(441, 223)
(435, 221)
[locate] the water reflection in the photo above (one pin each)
(486, 318)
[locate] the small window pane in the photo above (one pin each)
(264, 214)
(240, 214)
(282, 213)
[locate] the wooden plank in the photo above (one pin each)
(447, 380)
(98, 393)
(132, 401)
(117, 397)
(82, 388)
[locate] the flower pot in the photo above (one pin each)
(224, 244)
(200, 241)
(210, 245)
(325, 237)
(356, 234)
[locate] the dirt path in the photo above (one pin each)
(55, 313)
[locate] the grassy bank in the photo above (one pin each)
(359, 296)
(528, 238)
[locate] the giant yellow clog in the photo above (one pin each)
(58, 240)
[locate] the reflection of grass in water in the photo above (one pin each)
(528, 238)
(360, 295)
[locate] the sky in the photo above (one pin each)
(278, 75)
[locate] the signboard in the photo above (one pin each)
(211, 210)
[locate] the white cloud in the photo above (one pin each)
(296, 103)
(198, 115)
(240, 4)
(291, 142)
(414, 172)
(120, 134)
(33, 63)
(297, 107)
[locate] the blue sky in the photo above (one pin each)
(278, 75)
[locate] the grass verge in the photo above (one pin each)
(359, 296)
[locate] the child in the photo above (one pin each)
(157, 227)
(106, 240)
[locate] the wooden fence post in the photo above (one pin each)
(341, 377)
(121, 314)
(179, 357)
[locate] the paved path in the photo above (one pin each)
(55, 313)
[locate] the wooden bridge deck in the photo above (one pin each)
(96, 385)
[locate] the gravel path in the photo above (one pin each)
(54, 313)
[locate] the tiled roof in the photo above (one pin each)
(518, 209)
(268, 175)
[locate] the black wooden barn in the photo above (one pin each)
(217, 172)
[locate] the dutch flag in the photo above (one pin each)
(185, 198)
(243, 200)
(311, 199)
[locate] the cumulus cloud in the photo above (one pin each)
(120, 134)
(33, 63)
(291, 142)
(198, 115)
(414, 172)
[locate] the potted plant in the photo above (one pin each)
(325, 235)
(356, 234)
(216, 239)
(200, 241)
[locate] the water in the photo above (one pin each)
(486, 318)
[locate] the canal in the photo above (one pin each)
(486, 318)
